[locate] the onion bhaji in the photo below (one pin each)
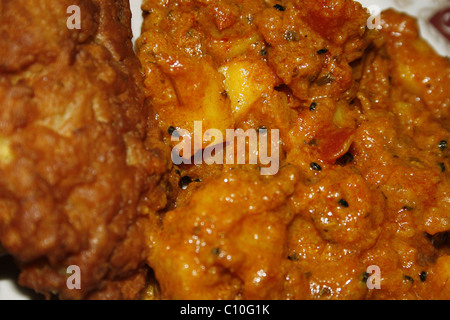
(364, 121)
(81, 162)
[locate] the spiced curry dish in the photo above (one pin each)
(358, 208)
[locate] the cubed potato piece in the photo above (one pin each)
(246, 81)
(408, 79)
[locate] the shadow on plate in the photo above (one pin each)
(9, 271)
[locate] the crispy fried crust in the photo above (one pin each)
(80, 163)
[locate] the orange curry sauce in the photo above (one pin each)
(364, 120)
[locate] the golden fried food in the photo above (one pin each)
(363, 117)
(80, 159)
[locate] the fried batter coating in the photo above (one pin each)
(80, 159)
(363, 181)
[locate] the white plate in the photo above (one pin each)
(421, 9)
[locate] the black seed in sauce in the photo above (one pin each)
(313, 106)
(408, 278)
(365, 277)
(343, 203)
(184, 182)
(173, 131)
(423, 276)
(442, 166)
(322, 51)
(443, 145)
(279, 7)
(315, 166)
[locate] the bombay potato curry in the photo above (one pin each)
(363, 116)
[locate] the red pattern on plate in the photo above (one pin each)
(441, 21)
